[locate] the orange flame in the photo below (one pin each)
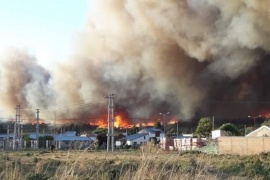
(117, 121)
(100, 123)
(145, 124)
(121, 121)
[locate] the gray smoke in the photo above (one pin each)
(23, 82)
(155, 56)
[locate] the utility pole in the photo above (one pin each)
(177, 129)
(37, 129)
(55, 122)
(7, 146)
(213, 123)
(164, 121)
(16, 136)
(21, 126)
(110, 133)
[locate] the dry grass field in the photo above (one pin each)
(145, 163)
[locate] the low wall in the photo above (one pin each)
(243, 145)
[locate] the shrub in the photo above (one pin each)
(37, 177)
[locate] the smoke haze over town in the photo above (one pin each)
(192, 58)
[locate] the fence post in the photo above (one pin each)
(246, 146)
(263, 145)
(231, 146)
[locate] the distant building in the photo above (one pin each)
(64, 141)
(143, 136)
(218, 133)
(263, 131)
(137, 139)
(153, 132)
(34, 135)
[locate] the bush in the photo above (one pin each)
(37, 177)
(35, 160)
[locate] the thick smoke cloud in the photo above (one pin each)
(23, 82)
(174, 55)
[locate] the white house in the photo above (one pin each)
(153, 132)
(218, 133)
(263, 131)
(137, 139)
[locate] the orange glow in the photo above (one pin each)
(121, 121)
(266, 115)
(40, 122)
(118, 122)
(145, 124)
(100, 123)
(172, 121)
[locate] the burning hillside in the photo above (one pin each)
(184, 56)
(119, 122)
(122, 120)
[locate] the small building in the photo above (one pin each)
(6, 141)
(70, 140)
(218, 133)
(137, 139)
(263, 131)
(63, 141)
(153, 132)
(34, 135)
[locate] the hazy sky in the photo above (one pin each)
(45, 28)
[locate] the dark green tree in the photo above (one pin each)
(100, 131)
(231, 129)
(204, 127)
(133, 130)
(26, 137)
(170, 132)
(71, 127)
(266, 123)
(158, 125)
(46, 138)
(101, 138)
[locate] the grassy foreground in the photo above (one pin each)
(146, 163)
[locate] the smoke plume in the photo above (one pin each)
(182, 56)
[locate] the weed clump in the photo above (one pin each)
(37, 177)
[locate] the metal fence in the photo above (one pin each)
(44, 144)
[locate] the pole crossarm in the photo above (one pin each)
(254, 119)
(164, 121)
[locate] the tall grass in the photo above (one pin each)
(148, 162)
